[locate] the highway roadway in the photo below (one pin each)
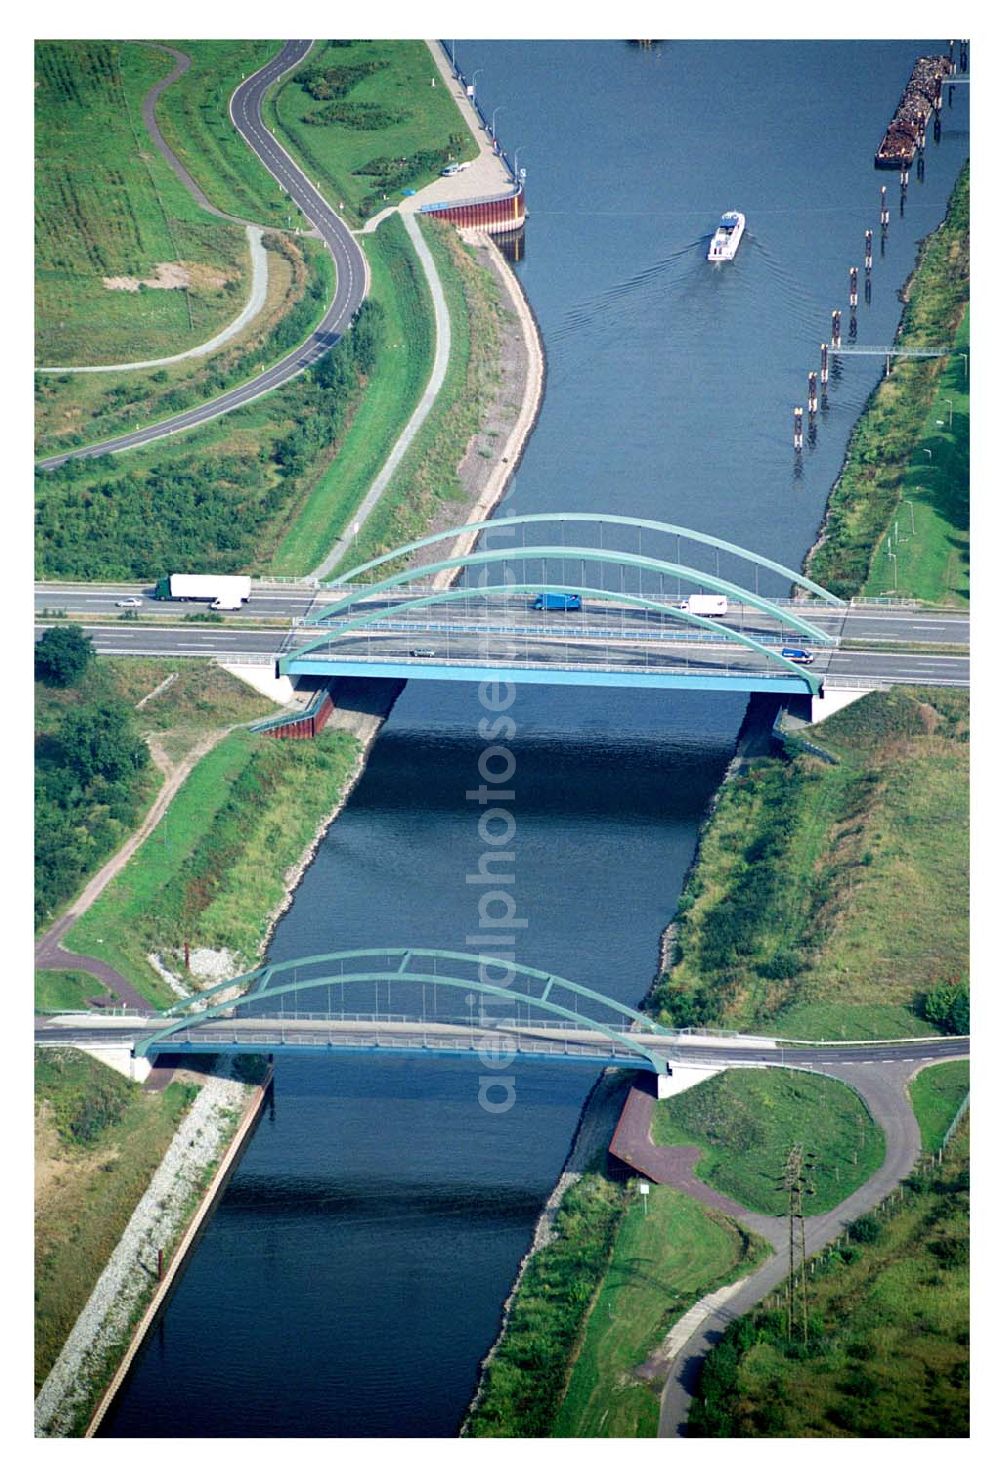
(349, 261)
(894, 625)
(97, 1030)
(458, 635)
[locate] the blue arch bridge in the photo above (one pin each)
(586, 599)
(410, 1001)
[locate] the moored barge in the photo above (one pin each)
(921, 95)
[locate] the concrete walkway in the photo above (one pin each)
(883, 1088)
(442, 350)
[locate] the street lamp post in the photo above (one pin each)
(950, 411)
(928, 453)
(472, 84)
(493, 124)
(516, 175)
(909, 504)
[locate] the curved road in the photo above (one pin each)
(349, 260)
(882, 1082)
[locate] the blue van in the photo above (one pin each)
(801, 658)
(557, 602)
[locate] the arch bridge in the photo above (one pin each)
(411, 1001)
(587, 599)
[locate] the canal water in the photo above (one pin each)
(354, 1272)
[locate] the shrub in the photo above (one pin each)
(63, 655)
(947, 1007)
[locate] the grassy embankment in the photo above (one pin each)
(595, 1302)
(200, 700)
(937, 1093)
(218, 498)
(744, 1122)
(364, 116)
(99, 1139)
(886, 462)
(213, 869)
(668, 1253)
(73, 410)
(888, 1352)
(828, 900)
(193, 115)
(391, 395)
(107, 205)
(426, 478)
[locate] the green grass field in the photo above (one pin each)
(411, 117)
(826, 900)
(193, 115)
(885, 461)
(108, 206)
(213, 868)
(888, 1353)
(64, 989)
(73, 410)
(87, 1187)
(389, 399)
(937, 1092)
(925, 551)
(669, 1252)
(745, 1122)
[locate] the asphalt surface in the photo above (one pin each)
(363, 1031)
(348, 259)
(915, 646)
(883, 1087)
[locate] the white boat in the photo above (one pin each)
(725, 243)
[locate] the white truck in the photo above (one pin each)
(706, 604)
(224, 591)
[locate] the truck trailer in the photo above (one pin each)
(706, 604)
(224, 591)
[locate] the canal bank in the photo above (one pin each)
(163, 1228)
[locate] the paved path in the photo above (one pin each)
(349, 261)
(49, 952)
(439, 368)
(883, 1087)
(632, 1144)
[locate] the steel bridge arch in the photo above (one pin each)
(591, 555)
(445, 595)
(616, 519)
(192, 1012)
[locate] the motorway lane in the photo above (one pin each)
(229, 643)
(95, 1030)
(351, 268)
(912, 628)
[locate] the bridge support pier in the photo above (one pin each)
(682, 1079)
(120, 1059)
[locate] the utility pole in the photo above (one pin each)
(794, 1182)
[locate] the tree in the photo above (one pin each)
(101, 741)
(63, 655)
